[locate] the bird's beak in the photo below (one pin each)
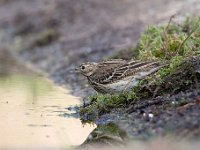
(76, 70)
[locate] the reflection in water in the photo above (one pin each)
(30, 114)
(108, 134)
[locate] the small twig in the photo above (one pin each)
(169, 22)
(165, 34)
(181, 45)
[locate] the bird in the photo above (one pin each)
(115, 76)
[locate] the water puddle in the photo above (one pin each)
(31, 111)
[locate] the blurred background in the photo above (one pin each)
(54, 36)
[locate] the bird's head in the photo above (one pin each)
(87, 68)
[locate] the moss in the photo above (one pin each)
(173, 44)
(166, 42)
(101, 104)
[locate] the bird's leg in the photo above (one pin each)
(155, 91)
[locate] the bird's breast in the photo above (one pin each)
(121, 85)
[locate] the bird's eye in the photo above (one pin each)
(82, 67)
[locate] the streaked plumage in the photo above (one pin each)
(117, 75)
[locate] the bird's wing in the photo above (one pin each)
(138, 69)
(105, 70)
(112, 71)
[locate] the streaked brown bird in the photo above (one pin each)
(117, 75)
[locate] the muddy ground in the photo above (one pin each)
(54, 36)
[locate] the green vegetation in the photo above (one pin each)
(109, 134)
(104, 103)
(177, 45)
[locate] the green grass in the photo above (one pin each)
(174, 44)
